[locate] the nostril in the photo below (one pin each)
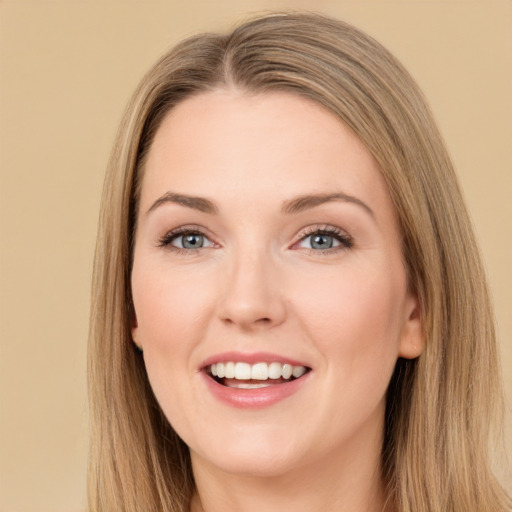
(257, 321)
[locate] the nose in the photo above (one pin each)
(253, 297)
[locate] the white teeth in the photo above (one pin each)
(258, 371)
(298, 371)
(287, 371)
(230, 370)
(221, 370)
(242, 371)
(274, 370)
(246, 385)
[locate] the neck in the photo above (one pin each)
(349, 479)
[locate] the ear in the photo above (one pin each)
(412, 340)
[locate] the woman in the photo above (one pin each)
(289, 309)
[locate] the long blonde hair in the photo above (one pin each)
(441, 406)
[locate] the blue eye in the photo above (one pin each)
(185, 240)
(323, 240)
(189, 241)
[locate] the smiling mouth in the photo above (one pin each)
(254, 376)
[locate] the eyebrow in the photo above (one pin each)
(308, 201)
(295, 205)
(196, 203)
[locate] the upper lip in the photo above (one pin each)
(251, 358)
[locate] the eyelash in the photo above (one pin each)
(168, 238)
(344, 239)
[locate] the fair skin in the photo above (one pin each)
(266, 233)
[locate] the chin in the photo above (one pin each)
(258, 458)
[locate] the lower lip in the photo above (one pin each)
(254, 398)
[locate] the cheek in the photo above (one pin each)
(170, 307)
(357, 318)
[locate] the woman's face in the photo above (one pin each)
(267, 244)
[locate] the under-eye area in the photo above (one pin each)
(254, 376)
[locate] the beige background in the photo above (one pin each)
(66, 71)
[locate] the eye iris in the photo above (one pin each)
(321, 241)
(192, 241)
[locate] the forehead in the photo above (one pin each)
(228, 144)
